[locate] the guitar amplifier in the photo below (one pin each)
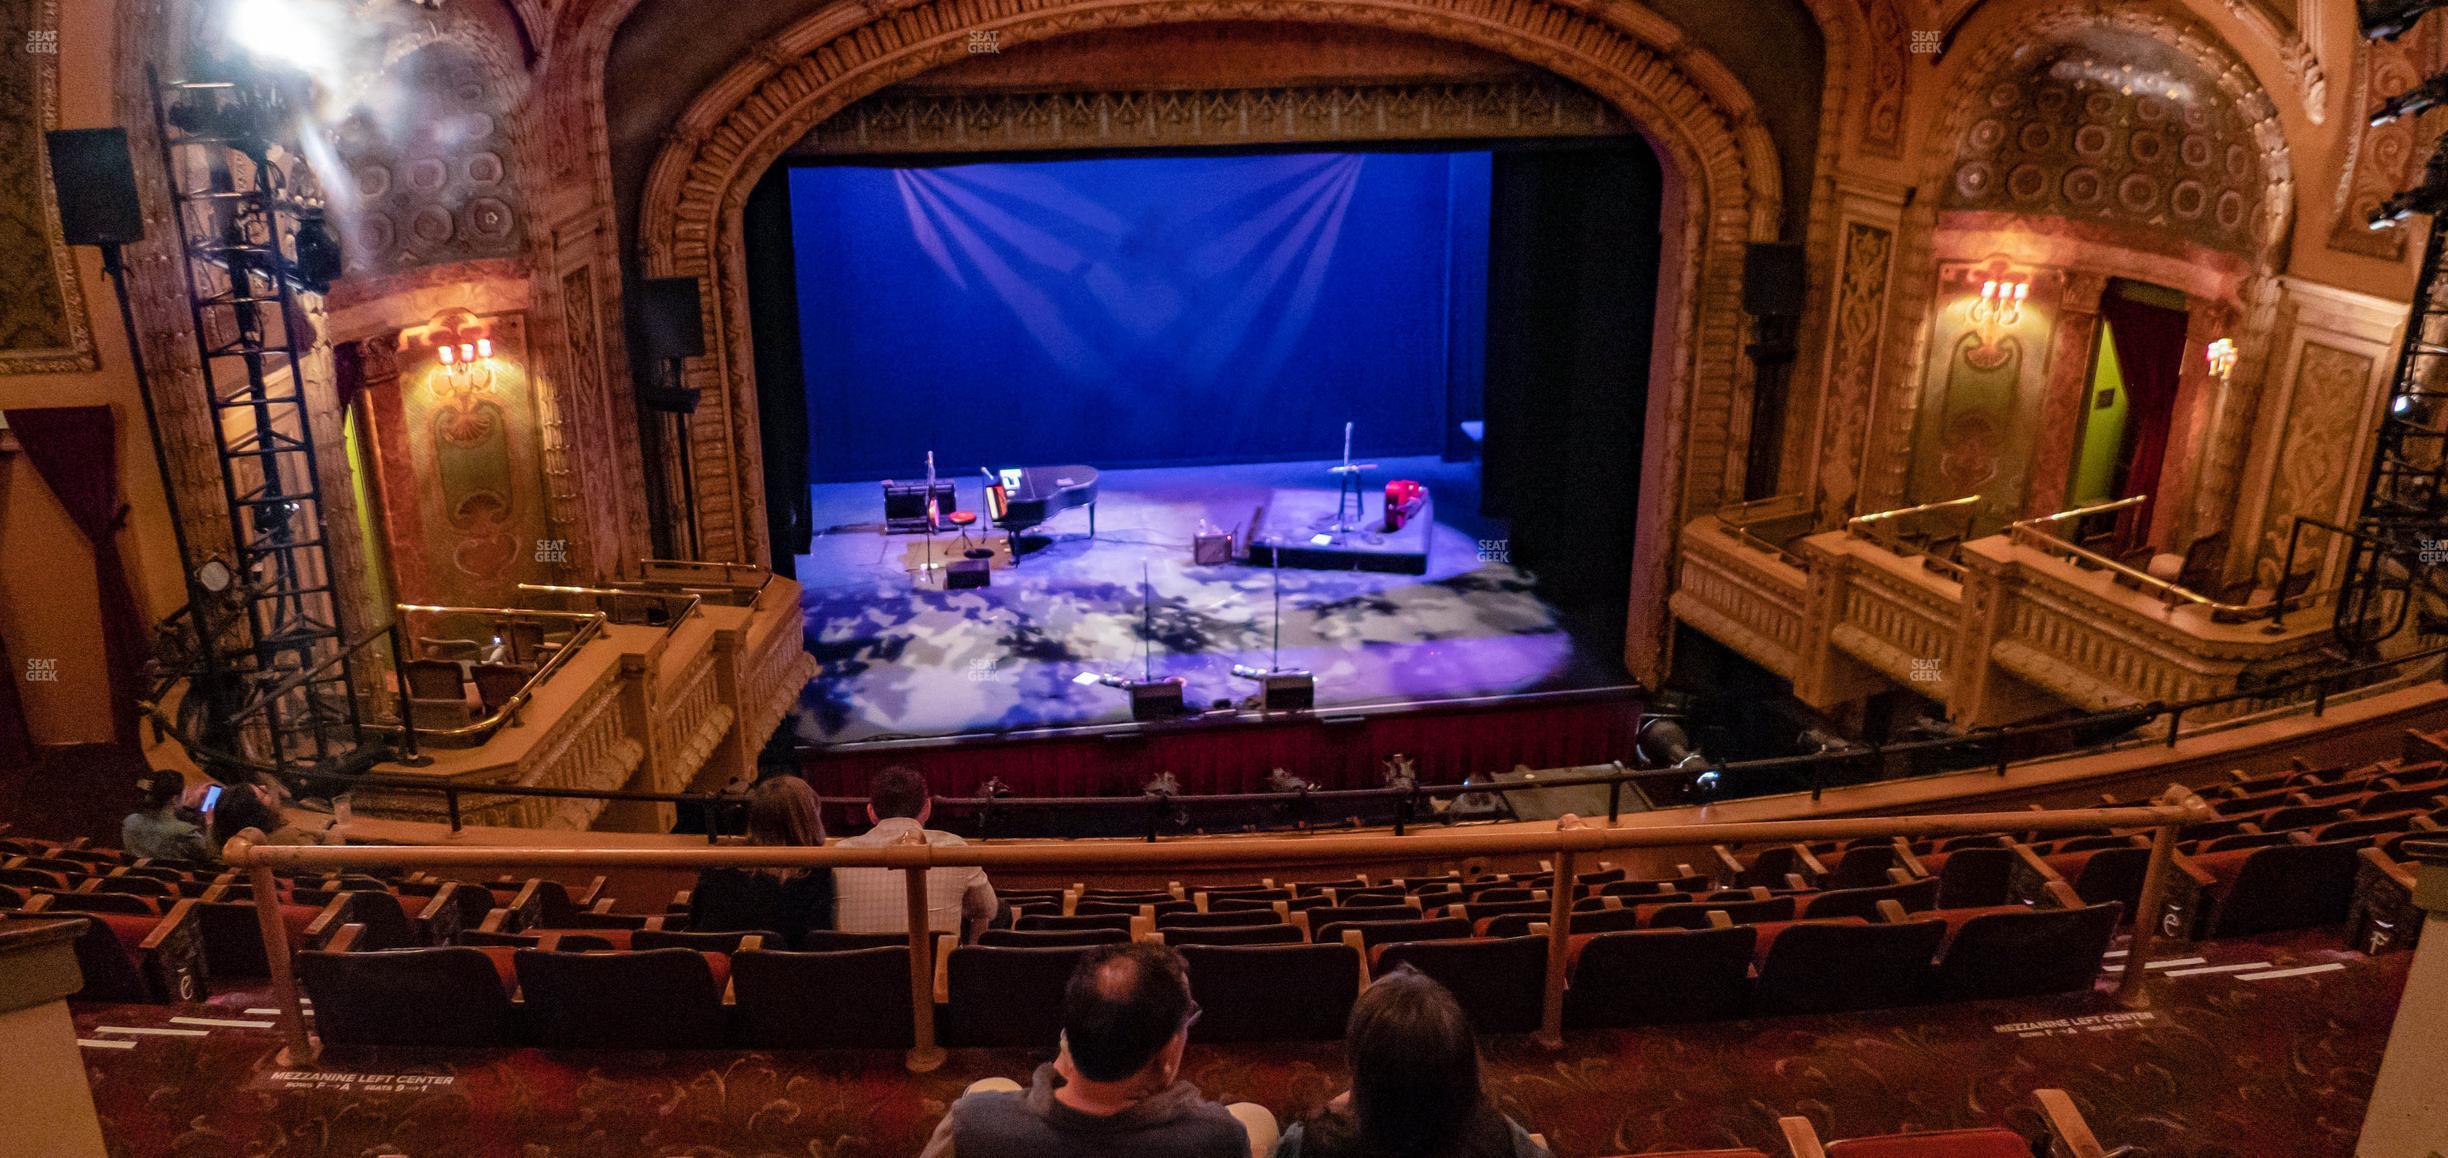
(1211, 547)
(905, 505)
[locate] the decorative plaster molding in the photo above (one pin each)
(27, 110)
(923, 122)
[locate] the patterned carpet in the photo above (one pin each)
(900, 659)
(2212, 1067)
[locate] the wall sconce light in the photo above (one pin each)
(2000, 305)
(464, 351)
(2221, 355)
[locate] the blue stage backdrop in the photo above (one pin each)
(1138, 311)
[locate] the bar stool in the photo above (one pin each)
(972, 549)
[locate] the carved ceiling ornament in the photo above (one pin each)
(1702, 122)
(2118, 128)
(927, 122)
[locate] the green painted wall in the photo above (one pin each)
(2103, 432)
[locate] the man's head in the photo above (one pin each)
(898, 791)
(1127, 1011)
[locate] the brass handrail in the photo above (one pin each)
(1562, 847)
(2029, 532)
(589, 624)
(1730, 519)
(686, 609)
(1859, 521)
(762, 575)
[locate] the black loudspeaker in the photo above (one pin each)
(671, 318)
(96, 186)
(961, 574)
(1157, 700)
(1773, 280)
(1288, 691)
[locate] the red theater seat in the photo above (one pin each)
(1233, 935)
(852, 999)
(2018, 951)
(1816, 967)
(1006, 997)
(451, 997)
(1499, 981)
(1273, 992)
(654, 999)
(2247, 891)
(1655, 976)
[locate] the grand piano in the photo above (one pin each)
(1019, 498)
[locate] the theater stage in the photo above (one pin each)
(901, 659)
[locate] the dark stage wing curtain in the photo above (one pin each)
(76, 451)
(1572, 288)
(2150, 353)
(1134, 311)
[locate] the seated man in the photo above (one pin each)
(1113, 1089)
(873, 900)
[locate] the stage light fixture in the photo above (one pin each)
(2390, 19)
(2427, 95)
(2430, 196)
(296, 33)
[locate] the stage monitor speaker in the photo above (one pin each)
(1288, 691)
(1157, 700)
(671, 319)
(1773, 279)
(961, 574)
(95, 182)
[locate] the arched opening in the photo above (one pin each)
(1664, 449)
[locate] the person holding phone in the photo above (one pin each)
(161, 828)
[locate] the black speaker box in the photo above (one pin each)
(671, 318)
(967, 573)
(1288, 691)
(1156, 700)
(96, 185)
(1773, 280)
(905, 504)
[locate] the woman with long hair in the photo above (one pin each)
(1415, 1089)
(782, 812)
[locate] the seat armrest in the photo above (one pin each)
(1892, 911)
(1727, 863)
(179, 915)
(2032, 860)
(597, 908)
(336, 913)
(1810, 864)
(496, 920)
(680, 901)
(1800, 1138)
(345, 940)
(2062, 893)
(1720, 919)
(2403, 875)
(593, 891)
(2073, 1134)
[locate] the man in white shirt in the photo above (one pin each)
(874, 900)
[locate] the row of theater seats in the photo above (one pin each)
(162, 932)
(2296, 848)
(1780, 928)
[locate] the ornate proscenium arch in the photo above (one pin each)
(1721, 171)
